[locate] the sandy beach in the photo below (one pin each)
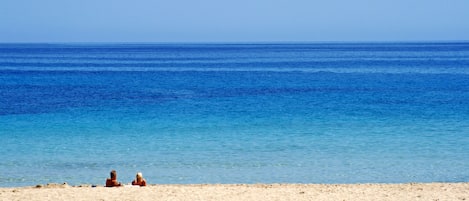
(410, 191)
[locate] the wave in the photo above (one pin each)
(365, 70)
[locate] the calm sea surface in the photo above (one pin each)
(234, 113)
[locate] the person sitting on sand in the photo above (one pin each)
(139, 180)
(111, 182)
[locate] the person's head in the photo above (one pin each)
(113, 174)
(139, 176)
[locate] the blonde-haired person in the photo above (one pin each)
(139, 180)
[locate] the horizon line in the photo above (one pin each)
(237, 42)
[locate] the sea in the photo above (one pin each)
(194, 113)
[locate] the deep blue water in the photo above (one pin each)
(234, 113)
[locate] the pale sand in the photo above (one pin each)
(226, 192)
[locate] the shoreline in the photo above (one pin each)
(365, 191)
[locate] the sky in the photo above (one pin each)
(233, 20)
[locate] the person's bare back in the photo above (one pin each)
(112, 182)
(139, 180)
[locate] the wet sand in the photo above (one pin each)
(226, 192)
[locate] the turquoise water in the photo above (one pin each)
(234, 113)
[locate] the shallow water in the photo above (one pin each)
(234, 113)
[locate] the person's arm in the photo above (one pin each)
(109, 183)
(144, 183)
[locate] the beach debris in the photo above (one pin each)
(55, 185)
(87, 185)
(39, 186)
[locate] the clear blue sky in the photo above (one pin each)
(232, 21)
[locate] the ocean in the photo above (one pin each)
(234, 113)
